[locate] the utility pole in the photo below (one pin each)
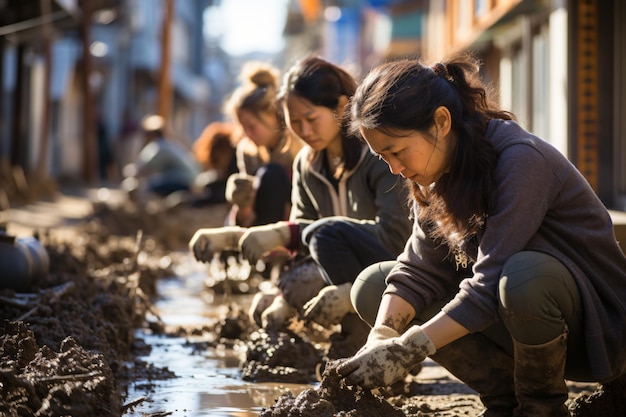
(165, 85)
(42, 165)
(90, 160)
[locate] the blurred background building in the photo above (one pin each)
(75, 73)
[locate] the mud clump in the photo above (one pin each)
(285, 357)
(333, 398)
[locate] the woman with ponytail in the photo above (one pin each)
(512, 279)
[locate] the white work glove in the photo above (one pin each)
(207, 242)
(380, 333)
(277, 314)
(381, 362)
(330, 305)
(240, 189)
(259, 240)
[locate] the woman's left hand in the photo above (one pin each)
(381, 362)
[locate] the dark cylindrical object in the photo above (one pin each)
(22, 260)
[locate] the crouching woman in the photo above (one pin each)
(512, 279)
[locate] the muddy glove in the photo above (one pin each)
(381, 362)
(258, 240)
(240, 189)
(330, 305)
(260, 302)
(207, 242)
(277, 314)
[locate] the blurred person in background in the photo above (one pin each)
(215, 151)
(261, 189)
(162, 167)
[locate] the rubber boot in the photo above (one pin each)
(540, 378)
(609, 399)
(484, 367)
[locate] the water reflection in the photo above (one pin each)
(208, 382)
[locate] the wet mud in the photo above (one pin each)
(66, 342)
(285, 357)
(332, 398)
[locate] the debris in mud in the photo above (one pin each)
(332, 398)
(66, 344)
(39, 381)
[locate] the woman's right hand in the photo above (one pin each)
(207, 242)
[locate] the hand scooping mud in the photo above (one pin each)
(383, 361)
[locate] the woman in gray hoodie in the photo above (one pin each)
(512, 279)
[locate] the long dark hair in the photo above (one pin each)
(323, 83)
(403, 95)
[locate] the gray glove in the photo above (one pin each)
(259, 240)
(383, 361)
(330, 305)
(207, 242)
(240, 189)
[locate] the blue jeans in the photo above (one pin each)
(273, 195)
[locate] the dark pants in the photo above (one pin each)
(273, 195)
(538, 299)
(343, 249)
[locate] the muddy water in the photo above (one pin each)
(208, 382)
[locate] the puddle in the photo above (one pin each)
(208, 382)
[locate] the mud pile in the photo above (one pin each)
(66, 342)
(171, 226)
(285, 357)
(332, 398)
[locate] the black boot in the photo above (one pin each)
(484, 367)
(609, 399)
(540, 378)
